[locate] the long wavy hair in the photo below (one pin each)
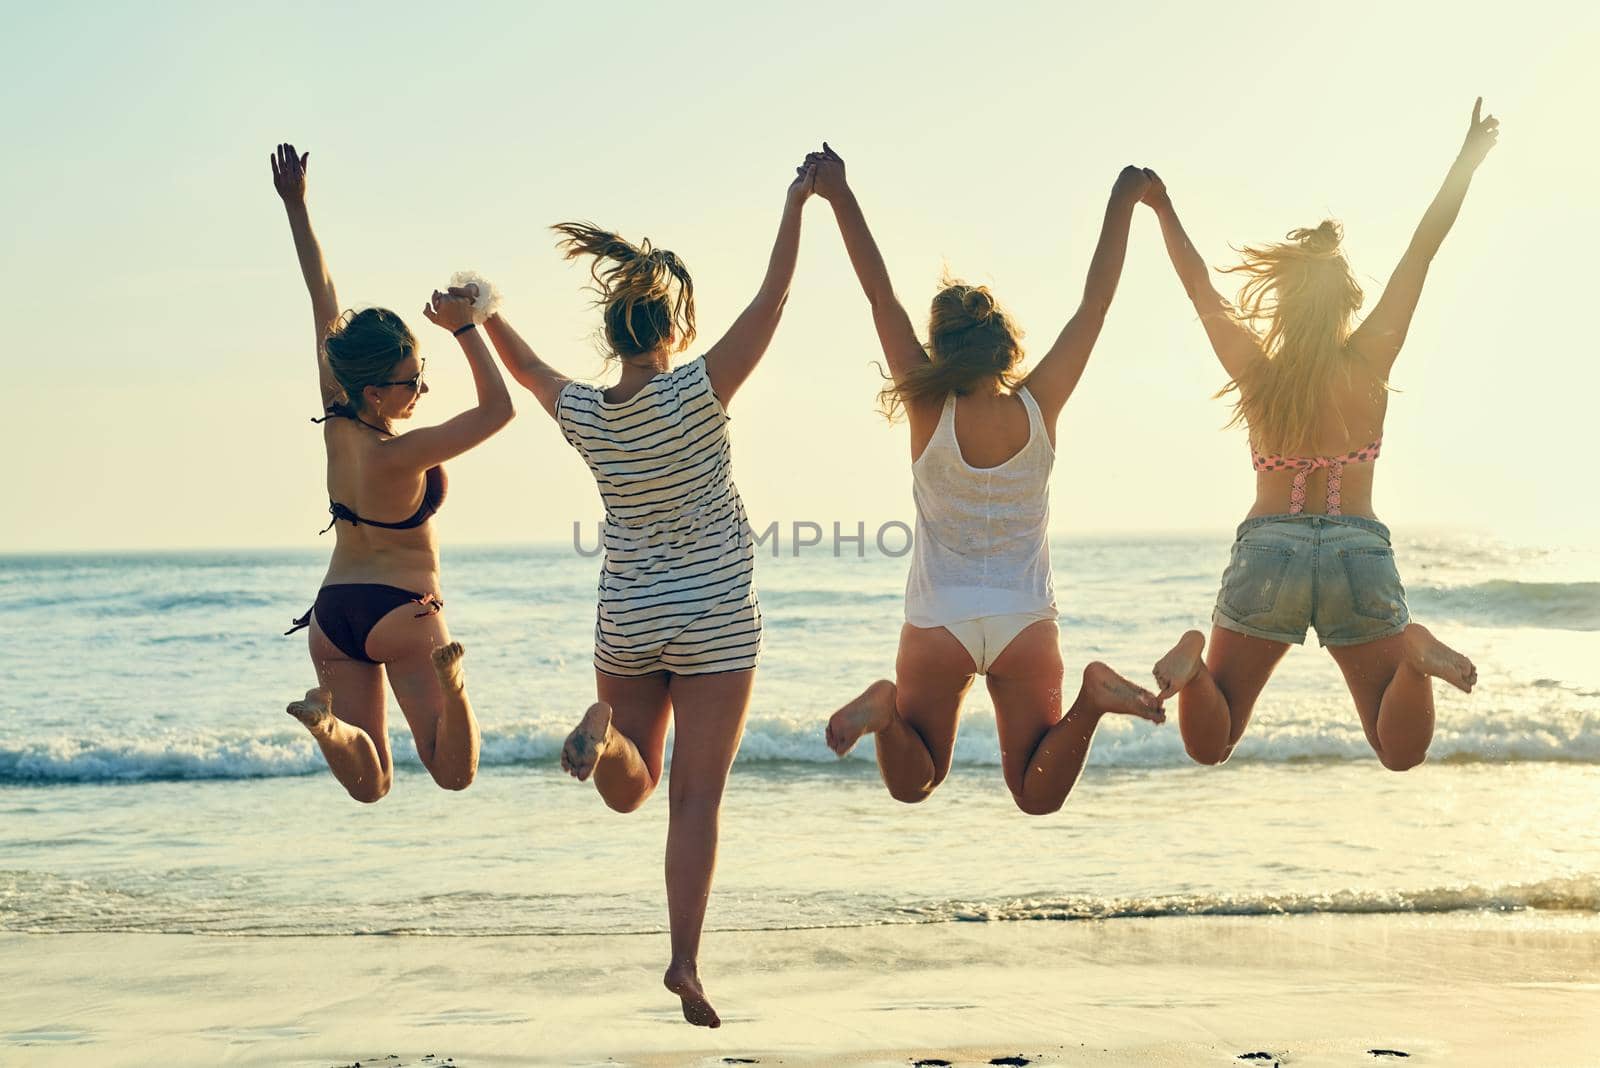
(970, 338)
(1300, 298)
(646, 292)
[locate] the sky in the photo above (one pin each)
(158, 350)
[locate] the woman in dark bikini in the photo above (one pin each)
(378, 611)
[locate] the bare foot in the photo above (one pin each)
(587, 742)
(1109, 692)
(683, 980)
(315, 711)
(867, 714)
(1174, 670)
(1433, 657)
(447, 664)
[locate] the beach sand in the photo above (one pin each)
(1453, 989)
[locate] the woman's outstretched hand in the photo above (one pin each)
(1155, 194)
(449, 311)
(289, 173)
(1481, 136)
(1132, 184)
(470, 294)
(804, 183)
(828, 167)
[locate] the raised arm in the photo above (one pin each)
(544, 381)
(420, 449)
(730, 361)
(289, 178)
(1057, 375)
(1234, 343)
(1383, 333)
(895, 333)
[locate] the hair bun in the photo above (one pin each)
(978, 303)
(1323, 240)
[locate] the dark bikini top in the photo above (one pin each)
(432, 495)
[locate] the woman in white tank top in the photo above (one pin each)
(979, 599)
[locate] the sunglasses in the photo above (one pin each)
(414, 383)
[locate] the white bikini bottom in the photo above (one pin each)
(987, 637)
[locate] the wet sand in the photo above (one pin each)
(1454, 989)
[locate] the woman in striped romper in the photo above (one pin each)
(678, 630)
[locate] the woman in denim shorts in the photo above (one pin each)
(1313, 393)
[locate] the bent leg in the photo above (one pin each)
(914, 719)
(425, 673)
(1216, 695)
(621, 737)
(1042, 752)
(346, 717)
(1391, 682)
(708, 713)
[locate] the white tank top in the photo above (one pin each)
(981, 545)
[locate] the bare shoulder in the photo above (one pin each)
(1368, 371)
(922, 418)
(1375, 345)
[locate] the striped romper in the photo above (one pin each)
(676, 590)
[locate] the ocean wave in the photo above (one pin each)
(171, 755)
(1572, 894)
(160, 759)
(45, 903)
(152, 603)
(1508, 603)
(840, 598)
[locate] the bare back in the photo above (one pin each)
(1353, 419)
(991, 427)
(361, 479)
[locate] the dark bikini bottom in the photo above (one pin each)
(347, 612)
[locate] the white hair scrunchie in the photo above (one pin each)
(488, 300)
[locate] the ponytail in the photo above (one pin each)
(646, 292)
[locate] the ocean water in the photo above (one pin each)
(150, 780)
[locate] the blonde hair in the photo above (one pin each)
(970, 338)
(1300, 297)
(646, 292)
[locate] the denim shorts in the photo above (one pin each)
(1335, 573)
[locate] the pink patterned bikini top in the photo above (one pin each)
(1304, 465)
